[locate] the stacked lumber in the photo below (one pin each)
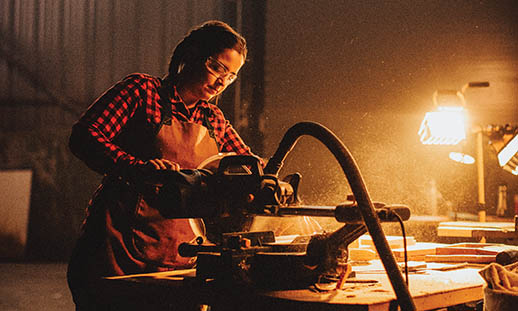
(363, 249)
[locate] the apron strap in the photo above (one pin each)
(209, 126)
(166, 113)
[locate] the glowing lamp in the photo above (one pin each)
(505, 141)
(446, 125)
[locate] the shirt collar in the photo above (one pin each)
(175, 98)
(177, 101)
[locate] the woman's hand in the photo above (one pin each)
(153, 171)
(163, 164)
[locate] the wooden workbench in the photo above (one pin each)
(431, 289)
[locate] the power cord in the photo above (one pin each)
(404, 245)
(366, 207)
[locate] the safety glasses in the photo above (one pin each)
(219, 70)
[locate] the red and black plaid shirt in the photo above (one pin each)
(139, 94)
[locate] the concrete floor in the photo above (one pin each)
(34, 286)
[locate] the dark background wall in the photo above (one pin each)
(366, 70)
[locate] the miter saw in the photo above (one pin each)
(259, 258)
(240, 189)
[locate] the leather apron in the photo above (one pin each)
(154, 238)
(124, 233)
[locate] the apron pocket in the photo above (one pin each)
(156, 238)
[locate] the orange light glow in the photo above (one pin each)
(508, 152)
(443, 127)
(461, 157)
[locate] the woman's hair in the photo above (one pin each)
(207, 39)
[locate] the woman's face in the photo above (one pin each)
(216, 73)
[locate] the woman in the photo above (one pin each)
(144, 123)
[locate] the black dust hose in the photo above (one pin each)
(352, 173)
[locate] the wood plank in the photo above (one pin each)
(466, 228)
(420, 249)
(477, 224)
(471, 249)
(462, 232)
(362, 254)
(415, 252)
(497, 234)
(394, 241)
(461, 258)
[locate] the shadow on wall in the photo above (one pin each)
(60, 190)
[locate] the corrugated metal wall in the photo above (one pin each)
(72, 50)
